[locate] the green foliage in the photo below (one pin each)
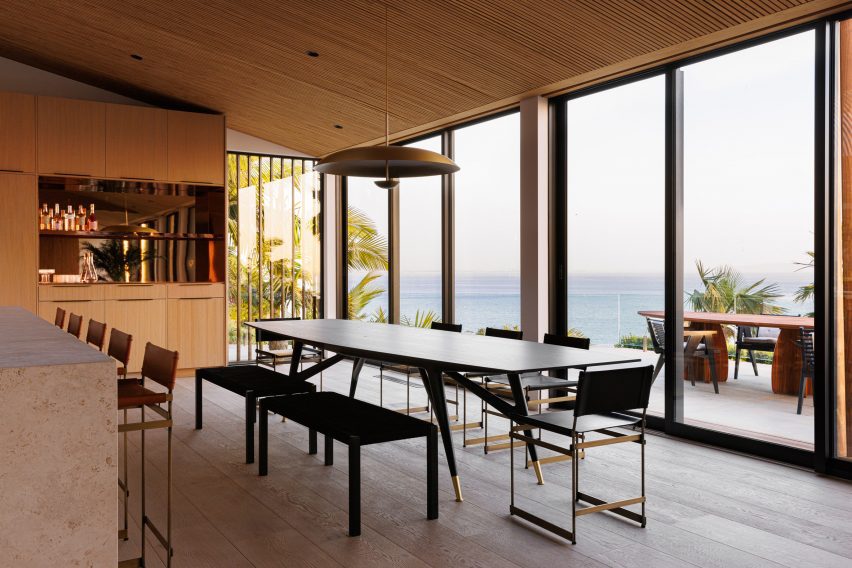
(806, 292)
(633, 341)
(726, 292)
(362, 294)
(421, 319)
(110, 258)
(515, 327)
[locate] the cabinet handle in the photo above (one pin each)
(70, 301)
(136, 177)
(194, 283)
(61, 285)
(13, 171)
(194, 181)
(135, 300)
(136, 284)
(70, 174)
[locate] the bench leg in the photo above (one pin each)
(354, 486)
(432, 473)
(329, 450)
(263, 436)
(251, 417)
(312, 441)
(197, 401)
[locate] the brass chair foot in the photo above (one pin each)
(538, 474)
(457, 487)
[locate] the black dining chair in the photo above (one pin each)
(534, 382)
(751, 339)
(657, 330)
(271, 351)
(489, 332)
(606, 400)
(806, 344)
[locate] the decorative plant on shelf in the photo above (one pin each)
(114, 263)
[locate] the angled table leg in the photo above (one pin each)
(522, 409)
(435, 388)
(356, 371)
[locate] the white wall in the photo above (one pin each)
(22, 78)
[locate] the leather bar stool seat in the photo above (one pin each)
(131, 394)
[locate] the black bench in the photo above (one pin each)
(355, 423)
(252, 383)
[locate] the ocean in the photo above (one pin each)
(603, 307)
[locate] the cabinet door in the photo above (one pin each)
(17, 132)
(136, 142)
(196, 330)
(89, 309)
(145, 320)
(19, 241)
(196, 147)
(71, 137)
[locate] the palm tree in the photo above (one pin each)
(366, 250)
(806, 292)
(726, 292)
(421, 319)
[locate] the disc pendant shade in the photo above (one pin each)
(385, 161)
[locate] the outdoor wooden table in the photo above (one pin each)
(786, 362)
(435, 352)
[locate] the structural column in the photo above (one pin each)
(333, 248)
(534, 217)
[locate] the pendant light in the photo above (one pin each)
(127, 228)
(386, 161)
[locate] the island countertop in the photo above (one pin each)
(58, 447)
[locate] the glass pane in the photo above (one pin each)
(843, 259)
(367, 250)
(487, 199)
(420, 245)
(616, 218)
(748, 238)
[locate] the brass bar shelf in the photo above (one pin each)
(132, 236)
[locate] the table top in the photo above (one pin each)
(26, 340)
(440, 350)
(753, 320)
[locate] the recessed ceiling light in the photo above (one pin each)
(136, 56)
(312, 54)
(338, 126)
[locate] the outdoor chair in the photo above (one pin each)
(806, 344)
(271, 352)
(657, 329)
(751, 339)
(606, 399)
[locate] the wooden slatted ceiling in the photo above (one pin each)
(450, 59)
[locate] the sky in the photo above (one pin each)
(748, 175)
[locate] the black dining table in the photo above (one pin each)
(434, 353)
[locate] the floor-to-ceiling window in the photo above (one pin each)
(615, 166)
(487, 224)
(367, 250)
(748, 238)
(420, 245)
(274, 240)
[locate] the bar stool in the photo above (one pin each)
(119, 349)
(96, 334)
(159, 365)
(59, 318)
(75, 325)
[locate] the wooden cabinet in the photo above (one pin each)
(196, 330)
(19, 241)
(144, 319)
(89, 309)
(196, 146)
(136, 142)
(71, 137)
(17, 132)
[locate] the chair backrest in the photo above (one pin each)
(504, 333)
(160, 365)
(657, 330)
(567, 341)
(613, 390)
(96, 334)
(119, 346)
(261, 336)
(59, 318)
(75, 325)
(439, 325)
(806, 342)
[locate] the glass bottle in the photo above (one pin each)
(82, 219)
(70, 218)
(44, 218)
(57, 218)
(93, 220)
(87, 268)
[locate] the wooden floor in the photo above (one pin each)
(706, 507)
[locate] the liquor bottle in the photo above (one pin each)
(44, 218)
(57, 218)
(93, 221)
(70, 218)
(82, 219)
